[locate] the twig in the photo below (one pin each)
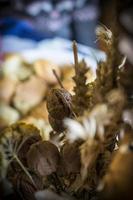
(75, 51)
(24, 169)
(58, 79)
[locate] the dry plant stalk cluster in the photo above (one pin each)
(89, 154)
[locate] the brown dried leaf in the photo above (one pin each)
(70, 156)
(43, 157)
(26, 146)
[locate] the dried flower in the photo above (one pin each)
(105, 35)
(90, 126)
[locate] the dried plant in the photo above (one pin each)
(117, 182)
(11, 141)
(91, 130)
(80, 98)
(91, 141)
(59, 105)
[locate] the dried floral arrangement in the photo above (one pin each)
(88, 154)
(24, 87)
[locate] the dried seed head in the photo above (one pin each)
(104, 34)
(59, 103)
(43, 157)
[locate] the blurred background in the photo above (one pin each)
(42, 19)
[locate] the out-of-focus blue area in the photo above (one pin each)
(21, 28)
(39, 20)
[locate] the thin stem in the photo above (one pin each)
(58, 79)
(24, 169)
(75, 51)
(21, 144)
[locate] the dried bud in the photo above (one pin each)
(23, 186)
(43, 157)
(59, 103)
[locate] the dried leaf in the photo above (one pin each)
(24, 188)
(43, 157)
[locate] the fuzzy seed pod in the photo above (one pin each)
(59, 103)
(59, 107)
